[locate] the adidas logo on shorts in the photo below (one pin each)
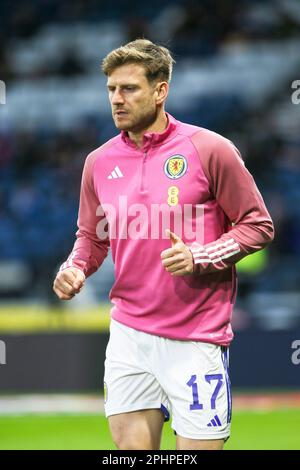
(214, 422)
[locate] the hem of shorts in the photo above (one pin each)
(204, 437)
(128, 409)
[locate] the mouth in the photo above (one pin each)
(120, 113)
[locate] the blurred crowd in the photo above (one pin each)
(189, 27)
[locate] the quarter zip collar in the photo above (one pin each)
(151, 139)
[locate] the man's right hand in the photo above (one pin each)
(68, 283)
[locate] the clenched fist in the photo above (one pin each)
(68, 283)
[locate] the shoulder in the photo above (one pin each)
(216, 153)
(205, 141)
(96, 156)
(203, 138)
(101, 152)
(209, 144)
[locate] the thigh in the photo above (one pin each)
(137, 430)
(195, 378)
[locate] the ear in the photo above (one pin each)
(162, 90)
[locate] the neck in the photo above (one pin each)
(159, 125)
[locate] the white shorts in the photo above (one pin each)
(188, 379)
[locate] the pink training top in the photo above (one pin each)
(194, 182)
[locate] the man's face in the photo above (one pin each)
(133, 99)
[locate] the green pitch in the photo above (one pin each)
(250, 430)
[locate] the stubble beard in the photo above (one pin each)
(138, 124)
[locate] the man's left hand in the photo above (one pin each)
(177, 260)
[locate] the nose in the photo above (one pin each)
(117, 97)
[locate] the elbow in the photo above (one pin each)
(271, 231)
(268, 232)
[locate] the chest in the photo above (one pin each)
(158, 176)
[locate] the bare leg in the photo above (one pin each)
(137, 429)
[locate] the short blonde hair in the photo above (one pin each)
(156, 60)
